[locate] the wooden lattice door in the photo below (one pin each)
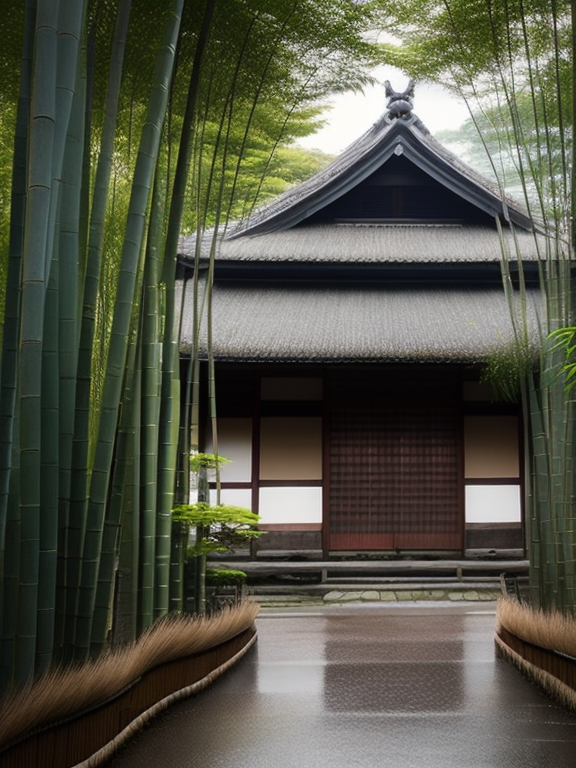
(393, 465)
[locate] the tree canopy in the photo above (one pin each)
(512, 62)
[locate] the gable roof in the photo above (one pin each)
(406, 137)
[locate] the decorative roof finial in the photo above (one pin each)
(399, 103)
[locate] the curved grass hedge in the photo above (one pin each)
(542, 645)
(76, 718)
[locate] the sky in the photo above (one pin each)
(352, 114)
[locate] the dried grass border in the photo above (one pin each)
(553, 632)
(138, 723)
(63, 693)
(558, 690)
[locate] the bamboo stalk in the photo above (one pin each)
(91, 285)
(9, 399)
(169, 409)
(143, 176)
(69, 238)
(35, 274)
(150, 404)
(126, 497)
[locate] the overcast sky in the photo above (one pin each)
(352, 114)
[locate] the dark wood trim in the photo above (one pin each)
(291, 409)
(395, 541)
(438, 541)
(255, 444)
(493, 526)
(492, 481)
(290, 527)
(361, 541)
(231, 485)
(461, 472)
(290, 483)
(490, 409)
(327, 400)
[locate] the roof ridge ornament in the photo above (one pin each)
(399, 102)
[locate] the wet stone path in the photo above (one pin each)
(364, 686)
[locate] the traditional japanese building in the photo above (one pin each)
(352, 318)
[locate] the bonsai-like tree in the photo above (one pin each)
(216, 527)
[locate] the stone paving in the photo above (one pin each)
(452, 593)
(389, 596)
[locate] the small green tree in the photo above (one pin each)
(217, 527)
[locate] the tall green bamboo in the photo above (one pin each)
(143, 177)
(57, 348)
(149, 332)
(68, 248)
(91, 287)
(45, 134)
(170, 400)
(125, 499)
(525, 52)
(84, 472)
(9, 420)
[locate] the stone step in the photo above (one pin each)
(351, 586)
(346, 569)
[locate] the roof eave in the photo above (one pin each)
(334, 188)
(410, 145)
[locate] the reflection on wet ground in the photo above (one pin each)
(402, 686)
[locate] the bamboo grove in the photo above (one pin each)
(124, 124)
(513, 62)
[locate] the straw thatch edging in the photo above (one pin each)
(542, 646)
(69, 715)
(136, 725)
(559, 691)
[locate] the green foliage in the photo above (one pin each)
(222, 577)
(564, 339)
(505, 370)
(203, 514)
(219, 528)
(513, 62)
(199, 461)
(125, 123)
(461, 41)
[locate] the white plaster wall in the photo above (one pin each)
(235, 497)
(290, 505)
(493, 504)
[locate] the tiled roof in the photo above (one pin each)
(295, 323)
(374, 243)
(359, 320)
